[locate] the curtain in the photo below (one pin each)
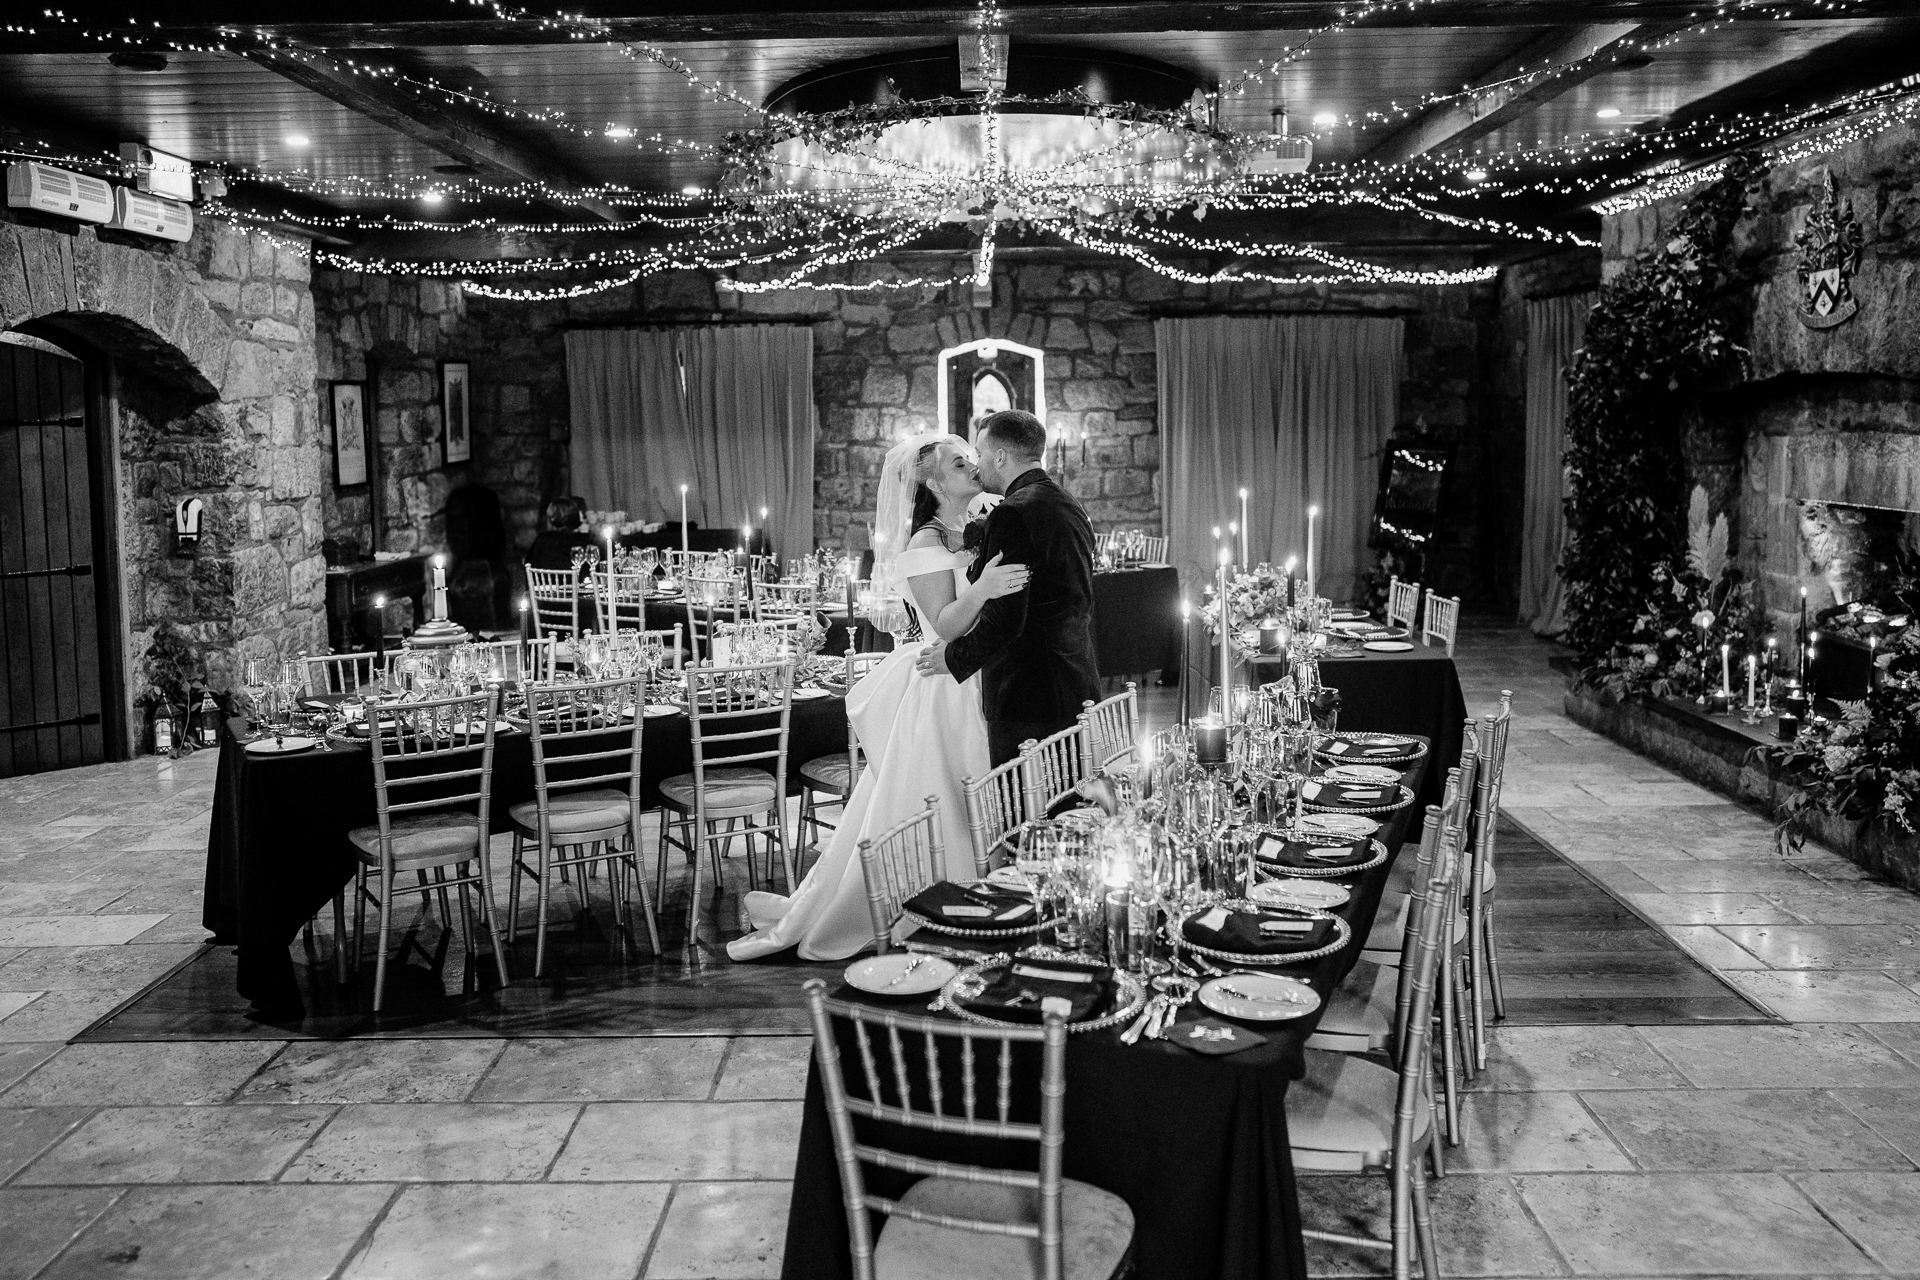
(726, 411)
(1295, 409)
(1555, 329)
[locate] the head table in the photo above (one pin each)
(1196, 1145)
(277, 849)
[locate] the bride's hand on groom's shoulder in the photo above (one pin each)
(933, 660)
(998, 579)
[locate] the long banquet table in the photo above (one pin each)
(277, 849)
(1196, 1145)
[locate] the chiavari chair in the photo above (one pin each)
(780, 600)
(898, 863)
(1483, 960)
(1443, 620)
(336, 673)
(554, 600)
(835, 774)
(1111, 729)
(622, 598)
(1052, 768)
(710, 601)
(740, 717)
(1351, 1115)
(444, 749)
(1403, 603)
(586, 807)
(1153, 549)
(962, 1221)
(996, 809)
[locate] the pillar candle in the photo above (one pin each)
(683, 522)
(1226, 635)
(439, 588)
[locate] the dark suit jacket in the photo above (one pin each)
(1035, 648)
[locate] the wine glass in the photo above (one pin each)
(649, 560)
(255, 679)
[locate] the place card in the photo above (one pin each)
(973, 911)
(1287, 926)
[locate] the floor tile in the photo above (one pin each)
(83, 896)
(1809, 946)
(1710, 908)
(212, 1233)
(27, 1131)
(1533, 1133)
(373, 1071)
(1537, 1058)
(669, 1141)
(1894, 1114)
(1713, 948)
(1481, 1226)
(1902, 1037)
(1721, 877)
(722, 1231)
(142, 1074)
(1687, 1224)
(38, 1222)
(595, 1069)
(436, 1142)
(1807, 1056)
(120, 968)
(16, 1060)
(1849, 905)
(766, 1067)
(531, 1232)
(179, 1144)
(72, 931)
(58, 1015)
(12, 1002)
(1848, 995)
(1876, 1209)
(1741, 1129)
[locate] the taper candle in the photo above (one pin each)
(1805, 638)
(683, 523)
(379, 633)
(1246, 532)
(524, 620)
(1186, 627)
(1226, 636)
(1313, 514)
(1233, 542)
(1753, 674)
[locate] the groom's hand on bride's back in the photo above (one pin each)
(933, 660)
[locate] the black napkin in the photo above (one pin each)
(1213, 1037)
(1241, 933)
(1354, 795)
(1296, 853)
(974, 906)
(1014, 991)
(1362, 749)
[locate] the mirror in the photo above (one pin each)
(983, 377)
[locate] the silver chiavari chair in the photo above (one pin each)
(1052, 768)
(1443, 620)
(1403, 603)
(622, 597)
(834, 774)
(996, 809)
(1153, 549)
(710, 603)
(553, 597)
(740, 718)
(586, 802)
(781, 600)
(444, 748)
(962, 1221)
(1483, 960)
(337, 673)
(1111, 730)
(898, 863)
(1350, 1115)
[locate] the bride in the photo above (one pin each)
(921, 734)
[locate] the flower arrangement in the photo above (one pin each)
(1866, 764)
(1251, 599)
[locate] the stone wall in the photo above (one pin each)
(1825, 414)
(211, 343)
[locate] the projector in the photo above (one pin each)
(1282, 154)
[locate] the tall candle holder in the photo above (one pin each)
(438, 631)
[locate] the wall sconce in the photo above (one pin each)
(186, 526)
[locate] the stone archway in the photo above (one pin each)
(213, 393)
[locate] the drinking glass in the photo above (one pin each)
(649, 560)
(254, 681)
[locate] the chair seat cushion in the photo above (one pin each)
(828, 773)
(728, 787)
(1096, 1231)
(1362, 1006)
(1344, 1105)
(571, 811)
(422, 839)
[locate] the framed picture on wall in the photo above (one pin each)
(456, 412)
(349, 433)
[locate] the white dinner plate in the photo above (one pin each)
(889, 975)
(1361, 773)
(657, 709)
(1387, 646)
(1319, 895)
(808, 695)
(1263, 997)
(282, 746)
(1350, 615)
(475, 728)
(1010, 877)
(1350, 826)
(1351, 628)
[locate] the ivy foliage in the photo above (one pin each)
(1653, 340)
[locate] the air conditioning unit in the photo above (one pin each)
(1282, 154)
(151, 215)
(31, 185)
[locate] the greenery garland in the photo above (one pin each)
(1652, 340)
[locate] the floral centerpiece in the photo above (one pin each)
(1251, 599)
(1866, 764)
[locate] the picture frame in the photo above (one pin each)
(349, 401)
(456, 412)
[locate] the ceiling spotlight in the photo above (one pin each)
(431, 197)
(1475, 175)
(1607, 113)
(297, 140)
(1325, 118)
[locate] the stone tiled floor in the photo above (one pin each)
(1625, 1152)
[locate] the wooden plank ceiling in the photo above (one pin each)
(244, 107)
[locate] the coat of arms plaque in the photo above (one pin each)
(1829, 257)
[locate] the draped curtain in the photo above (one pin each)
(1555, 329)
(726, 411)
(1295, 409)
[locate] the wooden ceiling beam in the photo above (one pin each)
(431, 123)
(363, 24)
(1460, 122)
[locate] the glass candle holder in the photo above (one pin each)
(1210, 742)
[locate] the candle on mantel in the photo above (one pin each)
(439, 588)
(683, 526)
(1313, 514)
(1226, 634)
(1186, 626)
(1753, 672)
(1726, 673)
(1805, 639)
(380, 631)
(1246, 532)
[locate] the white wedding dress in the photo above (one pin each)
(922, 735)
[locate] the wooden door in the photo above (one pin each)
(51, 700)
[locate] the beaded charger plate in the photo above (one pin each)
(971, 981)
(1415, 748)
(1287, 871)
(1342, 933)
(1406, 798)
(1041, 921)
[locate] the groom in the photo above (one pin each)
(1034, 648)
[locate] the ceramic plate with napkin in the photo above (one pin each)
(982, 905)
(1350, 795)
(1255, 933)
(1014, 990)
(1347, 747)
(1280, 851)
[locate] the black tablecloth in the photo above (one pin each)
(1197, 1146)
(1136, 620)
(277, 849)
